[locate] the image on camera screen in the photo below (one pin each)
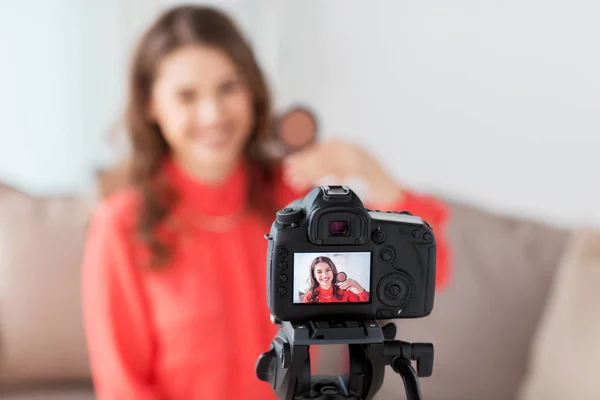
(342, 277)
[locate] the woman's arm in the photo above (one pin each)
(351, 297)
(303, 169)
(363, 296)
(117, 327)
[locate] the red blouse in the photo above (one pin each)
(348, 296)
(195, 329)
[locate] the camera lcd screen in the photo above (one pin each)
(343, 277)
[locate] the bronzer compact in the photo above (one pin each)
(293, 130)
(341, 277)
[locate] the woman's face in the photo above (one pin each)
(204, 109)
(323, 275)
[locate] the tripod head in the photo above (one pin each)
(286, 366)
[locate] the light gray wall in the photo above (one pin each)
(494, 103)
(62, 75)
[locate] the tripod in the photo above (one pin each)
(286, 366)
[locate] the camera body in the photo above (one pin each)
(328, 239)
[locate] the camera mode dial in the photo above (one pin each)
(290, 215)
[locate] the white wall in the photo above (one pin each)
(494, 103)
(62, 75)
(42, 77)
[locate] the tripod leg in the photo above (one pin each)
(372, 367)
(358, 374)
(402, 366)
(301, 355)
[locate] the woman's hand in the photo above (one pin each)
(351, 283)
(341, 160)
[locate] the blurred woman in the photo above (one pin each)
(173, 275)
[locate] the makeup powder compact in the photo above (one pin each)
(341, 277)
(293, 130)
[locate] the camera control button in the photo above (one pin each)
(416, 233)
(283, 252)
(289, 215)
(282, 291)
(393, 290)
(322, 324)
(283, 265)
(427, 237)
(384, 314)
(378, 236)
(282, 278)
(386, 255)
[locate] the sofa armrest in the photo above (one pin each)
(41, 331)
(566, 350)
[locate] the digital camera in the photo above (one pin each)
(330, 258)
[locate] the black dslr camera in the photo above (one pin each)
(333, 269)
(390, 254)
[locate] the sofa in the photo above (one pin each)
(483, 325)
(42, 347)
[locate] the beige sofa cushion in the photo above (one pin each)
(566, 354)
(51, 393)
(41, 334)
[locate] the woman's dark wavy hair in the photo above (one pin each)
(314, 284)
(177, 27)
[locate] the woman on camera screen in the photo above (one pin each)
(325, 287)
